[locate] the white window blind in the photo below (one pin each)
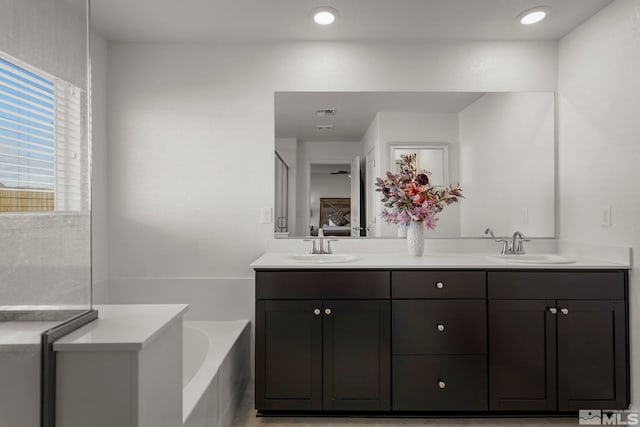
(41, 132)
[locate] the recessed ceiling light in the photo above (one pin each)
(324, 15)
(533, 16)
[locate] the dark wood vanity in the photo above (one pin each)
(494, 341)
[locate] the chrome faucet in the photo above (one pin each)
(510, 247)
(319, 249)
(517, 240)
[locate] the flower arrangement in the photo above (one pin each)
(408, 196)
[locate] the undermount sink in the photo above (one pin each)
(322, 258)
(531, 259)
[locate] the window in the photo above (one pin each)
(41, 131)
(433, 158)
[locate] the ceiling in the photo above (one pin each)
(295, 112)
(358, 20)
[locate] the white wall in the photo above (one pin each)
(507, 147)
(421, 127)
(48, 34)
(598, 148)
(317, 152)
(370, 164)
(191, 145)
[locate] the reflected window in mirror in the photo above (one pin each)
(431, 158)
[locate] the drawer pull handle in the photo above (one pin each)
(316, 311)
(441, 327)
(553, 310)
(327, 311)
(564, 310)
(442, 384)
(439, 285)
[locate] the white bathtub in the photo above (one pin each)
(216, 370)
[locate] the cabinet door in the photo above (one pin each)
(522, 355)
(592, 363)
(357, 361)
(288, 355)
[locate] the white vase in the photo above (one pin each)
(415, 238)
(402, 231)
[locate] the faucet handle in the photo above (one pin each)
(519, 247)
(329, 245)
(313, 248)
(506, 246)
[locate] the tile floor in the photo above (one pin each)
(246, 417)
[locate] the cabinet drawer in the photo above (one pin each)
(439, 326)
(584, 285)
(416, 383)
(438, 284)
(324, 284)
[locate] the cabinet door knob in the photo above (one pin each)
(316, 311)
(441, 327)
(564, 310)
(327, 311)
(441, 384)
(553, 310)
(439, 285)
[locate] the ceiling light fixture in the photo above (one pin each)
(324, 127)
(324, 15)
(533, 16)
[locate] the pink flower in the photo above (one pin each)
(430, 221)
(419, 199)
(412, 189)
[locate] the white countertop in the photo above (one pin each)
(277, 260)
(122, 327)
(23, 336)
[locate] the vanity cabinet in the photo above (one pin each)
(329, 353)
(557, 340)
(482, 341)
(439, 341)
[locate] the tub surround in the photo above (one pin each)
(123, 369)
(122, 327)
(216, 371)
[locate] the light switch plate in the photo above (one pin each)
(266, 215)
(605, 216)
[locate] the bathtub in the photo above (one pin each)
(216, 371)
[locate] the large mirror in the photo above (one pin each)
(331, 146)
